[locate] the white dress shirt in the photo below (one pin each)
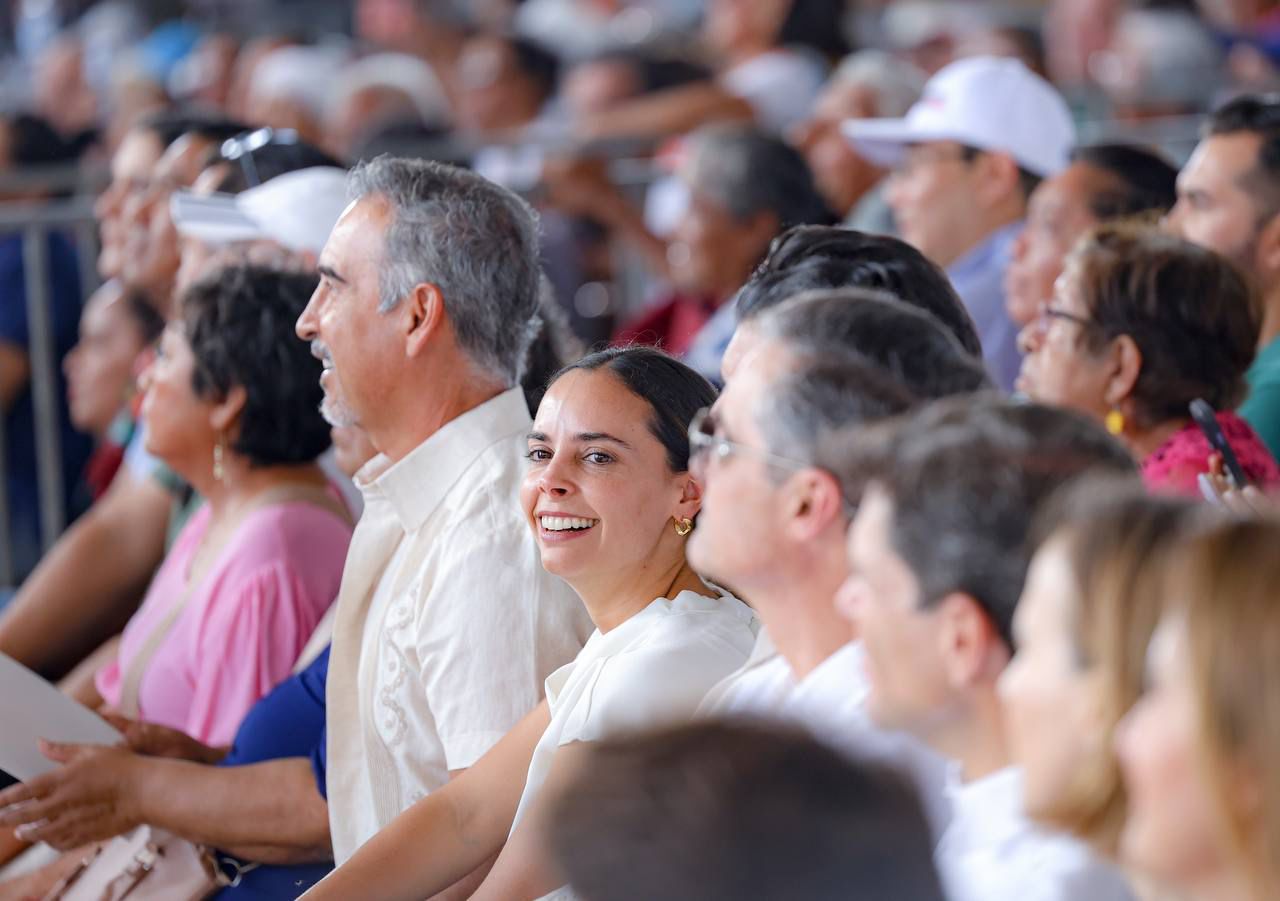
(447, 623)
(992, 852)
(649, 672)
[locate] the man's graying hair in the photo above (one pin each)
(475, 241)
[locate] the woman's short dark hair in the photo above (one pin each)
(239, 322)
(672, 390)
(813, 257)
(818, 25)
(1194, 316)
(1140, 180)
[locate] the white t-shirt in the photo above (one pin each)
(649, 672)
(831, 702)
(759, 688)
(992, 852)
(781, 86)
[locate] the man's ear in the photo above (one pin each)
(226, 413)
(814, 502)
(997, 177)
(971, 649)
(422, 317)
(1267, 255)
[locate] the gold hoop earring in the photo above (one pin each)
(1115, 422)
(219, 473)
(684, 526)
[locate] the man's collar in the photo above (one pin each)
(415, 485)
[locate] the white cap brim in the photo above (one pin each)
(214, 219)
(883, 142)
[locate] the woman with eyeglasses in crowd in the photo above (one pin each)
(1141, 324)
(610, 499)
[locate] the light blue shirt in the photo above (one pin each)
(978, 278)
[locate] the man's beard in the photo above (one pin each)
(337, 413)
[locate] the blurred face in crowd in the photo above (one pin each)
(150, 240)
(1052, 703)
(1059, 368)
(356, 343)
(734, 27)
(131, 173)
(1215, 208)
(598, 492)
(1058, 215)
(100, 368)
(905, 669)
(598, 85)
(940, 198)
(180, 425)
(352, 448)
(712, 251)
(495, 94)
(743, 503)
(840, 174)
(1174, 830)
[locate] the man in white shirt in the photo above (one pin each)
(964, 161)
(774, 519)
(447, 624)
(937, 560)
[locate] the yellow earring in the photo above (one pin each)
(684, 526)
(1115, 422)
(219, 473)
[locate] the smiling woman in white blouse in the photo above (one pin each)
(610, 500)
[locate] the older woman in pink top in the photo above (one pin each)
(231, 405)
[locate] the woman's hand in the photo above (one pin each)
(1247, 501)
(161, 741)
(91, 797)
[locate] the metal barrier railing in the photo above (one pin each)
(35, 222)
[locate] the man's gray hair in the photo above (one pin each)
(896, 83)
(475, 241)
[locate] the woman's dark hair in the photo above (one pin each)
(815, 257)
(144, 315)
(34, 142)
(1193, 315)
(817, 24)
(239, 322)
(1141, 180)
(673, 391)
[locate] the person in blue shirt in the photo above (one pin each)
(27, 141)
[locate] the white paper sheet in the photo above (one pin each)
(31, 709)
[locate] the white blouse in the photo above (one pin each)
(649, 672)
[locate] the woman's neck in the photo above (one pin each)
(241, 483)
(613, 603)
(1143, 444)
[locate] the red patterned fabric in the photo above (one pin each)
(1173, 468)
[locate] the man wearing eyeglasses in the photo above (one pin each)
(964, 161)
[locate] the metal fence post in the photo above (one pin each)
(42, 353)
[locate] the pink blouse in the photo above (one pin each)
(1175, 466)
(243, 627)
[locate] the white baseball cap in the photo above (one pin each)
(296, 210)
(987, 102)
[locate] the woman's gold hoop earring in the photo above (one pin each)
(1115, 422)
(684, 527)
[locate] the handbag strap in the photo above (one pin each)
(315, 495)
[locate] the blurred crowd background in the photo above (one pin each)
(665, 142)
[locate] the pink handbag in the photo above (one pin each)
(147, 864)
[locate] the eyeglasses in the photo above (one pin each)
(241, 148)
(704, 440)
(1047, 314)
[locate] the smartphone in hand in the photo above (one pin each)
(1204, 417)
